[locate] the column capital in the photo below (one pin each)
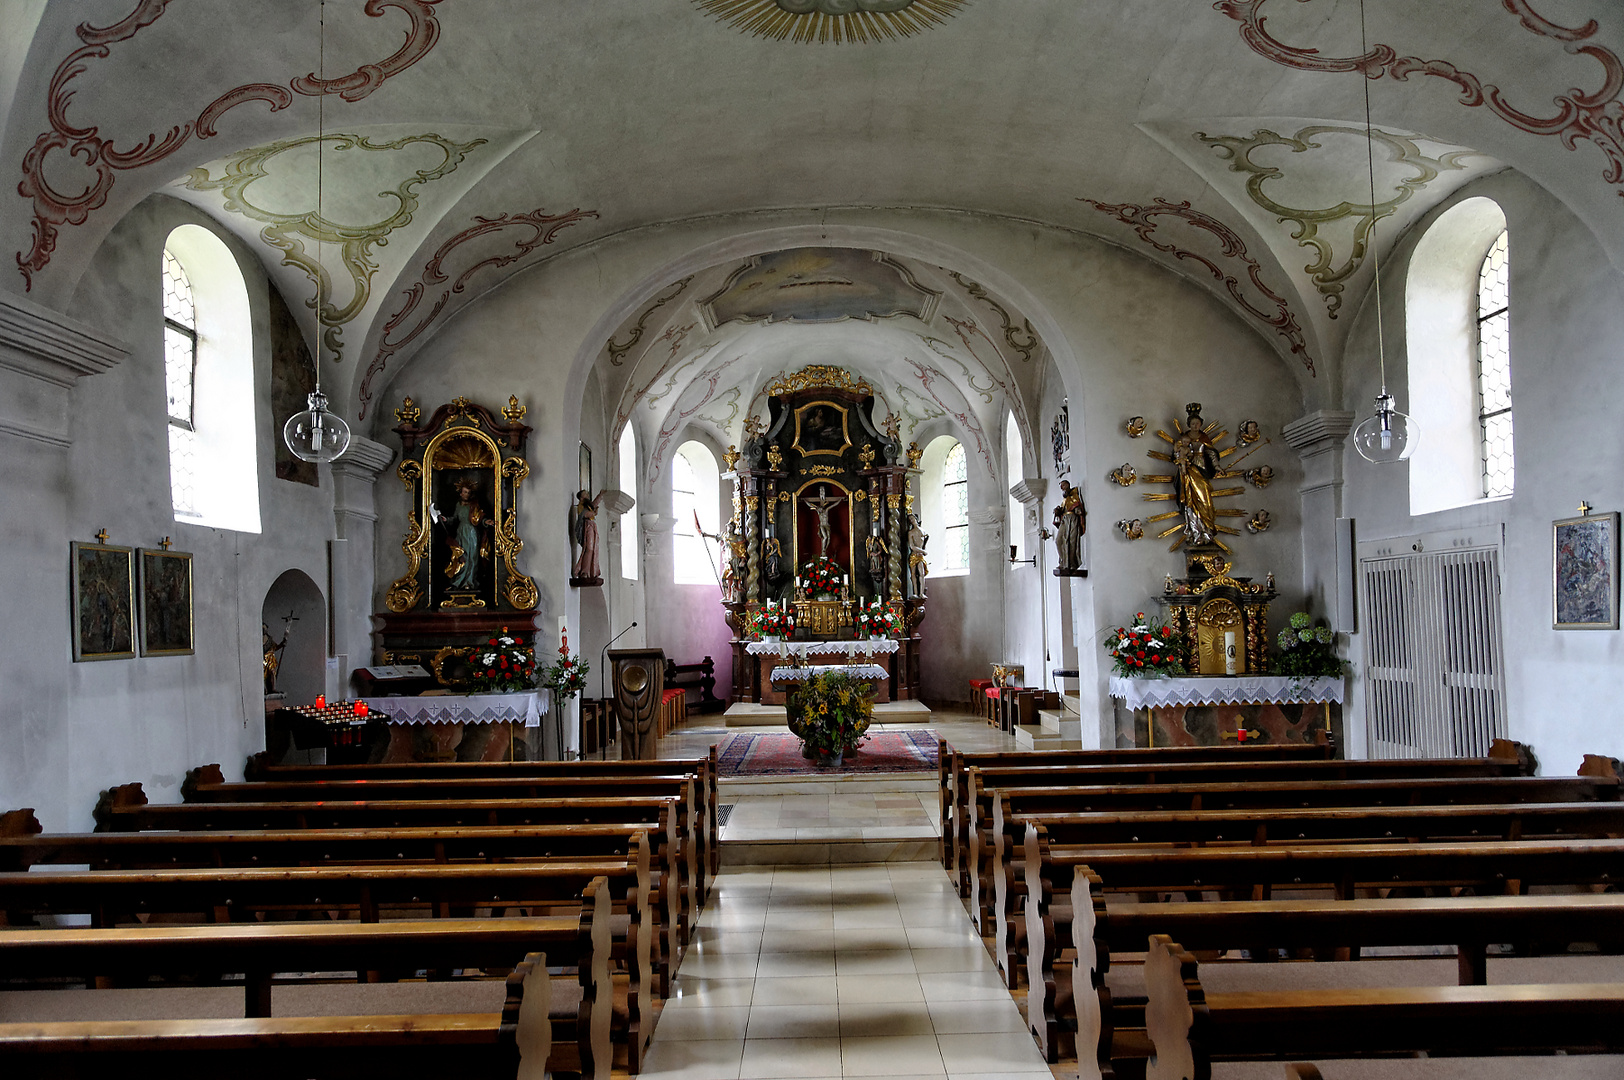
(1030, 489)
(615, 502)
(1318, 431)
(45, 344)
(364, 459)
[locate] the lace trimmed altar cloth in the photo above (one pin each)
(524, 706)
(856, 671)
(1139, 694)
(866, 648)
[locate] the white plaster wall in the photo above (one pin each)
(1127, 336)
(1567, 332)
(70, 729)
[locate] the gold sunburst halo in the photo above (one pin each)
(767, 19)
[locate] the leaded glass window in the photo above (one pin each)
(955, 511)
(1494, 371)
(180, 378)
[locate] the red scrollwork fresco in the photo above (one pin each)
(1142, 220)
(1596, 117)
(543, 228)
(94, 151)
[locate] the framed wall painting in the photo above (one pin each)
(166, 603)
(102, 593)
(1585, 572)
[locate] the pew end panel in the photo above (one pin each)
(1175, 1014)
(114, 799)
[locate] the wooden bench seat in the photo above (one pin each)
(260, 767)
(125, 809)
(581, 1020)
(952, 765)
(515, 1043)
(1337, 928)
(987, 852)
(1190, 1029)
(1220, 829)
(112, 897)
(206, 784)
(23, 845)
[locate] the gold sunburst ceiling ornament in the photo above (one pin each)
(837, 21)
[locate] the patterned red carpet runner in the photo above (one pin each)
(780, 755)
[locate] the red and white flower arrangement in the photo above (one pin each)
(877, 620)
(773, 621)
(1147, 647)
(822, 579)
(503, 664)
(567, 677)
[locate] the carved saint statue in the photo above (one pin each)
(1070, 522)
(733, 572)
(584, 531)
(917, 567)
(468, 524)
(774, 554)
(877, 552)
(821, 507)
(1196, 459)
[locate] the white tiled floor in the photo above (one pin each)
(835, 971)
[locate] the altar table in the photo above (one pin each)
(1214, 710)
(896, 664)
(458, 726)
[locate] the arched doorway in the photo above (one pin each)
(294, 617)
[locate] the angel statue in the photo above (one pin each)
(584, 531)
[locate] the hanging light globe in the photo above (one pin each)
(1388, 436)
(316, 434)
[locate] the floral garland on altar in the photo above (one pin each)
(1146, 648)
(822, 578)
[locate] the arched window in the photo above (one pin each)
(1494, 370)
(180, 374)
(1459, 369)
(955, 510)
(209, 383)
(694, 484)
(1014, 472)
(629, 547)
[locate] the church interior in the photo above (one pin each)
(559, 402)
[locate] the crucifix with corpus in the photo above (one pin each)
(821, 506)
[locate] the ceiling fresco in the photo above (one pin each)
(483, 140)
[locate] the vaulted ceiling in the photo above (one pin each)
(467, 141)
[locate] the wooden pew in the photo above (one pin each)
(206, 784)
(1071, 997)
(581, 1035)
(1191, 1029)
(1284, 825)
(517, 1043)
(237, 893)
(260, 767)
(125, 809)
(23, 845)
(988, 843)
(952, 766)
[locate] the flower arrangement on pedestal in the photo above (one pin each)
(1145, 649)
(567, 677)
(1307, 651)
(830, 713)
(822, 579)
(877, 620)
(502, 664)
(770, 621)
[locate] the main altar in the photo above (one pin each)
(824, 527)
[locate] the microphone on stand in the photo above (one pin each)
(603, 662)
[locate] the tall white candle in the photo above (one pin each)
(1231, 667)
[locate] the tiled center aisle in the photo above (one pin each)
(836, 971)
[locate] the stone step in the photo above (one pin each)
(1034, 737)
(1066, 725)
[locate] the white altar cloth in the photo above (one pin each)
(1139, 694)
(528, 706)
(856, 671)
(866, 648)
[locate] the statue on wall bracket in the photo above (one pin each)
(1200, 463)
(463, 469)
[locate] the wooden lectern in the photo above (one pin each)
(639, 682)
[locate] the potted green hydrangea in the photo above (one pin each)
(1307, 651)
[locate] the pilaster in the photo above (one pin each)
(1320, 438)
(354, 551)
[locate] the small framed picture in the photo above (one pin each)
(102, 588)
(166, 603)
(1585, 572)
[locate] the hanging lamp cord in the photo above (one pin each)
(1370, 234)
(321, 146)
